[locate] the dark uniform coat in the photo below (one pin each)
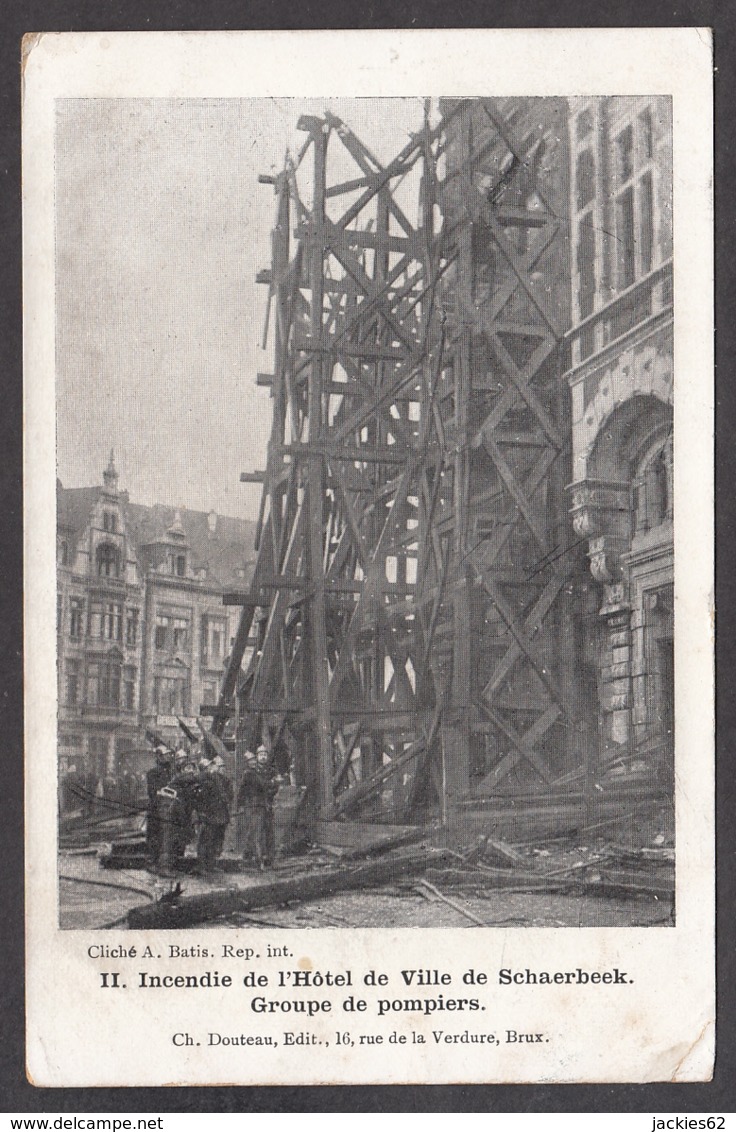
(212, 799)
(157, 777)
(255, 803)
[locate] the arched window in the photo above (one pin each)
(108, 561)
(652, 488)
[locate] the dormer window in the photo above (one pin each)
(178, 565)
(108, 561)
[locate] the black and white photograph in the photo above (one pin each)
(374, 612)
(423, 672)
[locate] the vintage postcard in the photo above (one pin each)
(369, 557)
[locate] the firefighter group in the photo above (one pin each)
(190, 798)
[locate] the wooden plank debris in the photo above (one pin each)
(357, 839)
(187, 911)
(424, 884)
(494, 852)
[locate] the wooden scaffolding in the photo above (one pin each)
(409, 634)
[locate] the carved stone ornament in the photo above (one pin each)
(598, 507)
(605, 559)
(615, 605)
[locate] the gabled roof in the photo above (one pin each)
(73, 506)
(222, 551)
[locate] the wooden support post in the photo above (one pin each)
(456, 733)
(371, 312)
(315, 481)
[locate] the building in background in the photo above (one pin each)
(621, 378)
(141, 628)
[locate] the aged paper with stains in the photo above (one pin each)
(394, 761)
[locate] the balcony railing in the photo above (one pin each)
(648, 297)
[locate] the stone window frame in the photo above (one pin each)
(72, 681)
(109, 627)
(132, 624)
(586, 236)
(130, 681)
(213, 623)
(104, 671)
(652, 487)
(177, 563)
(107, 560)
(180, 630)
(634, 187)
(171, 693)
(161, 631)
(76, 618)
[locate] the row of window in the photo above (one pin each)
(102, 683)
(109, 683)
(109, 620)
(109, 561)
(172, 634)
(633, 206)
(171, 695)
